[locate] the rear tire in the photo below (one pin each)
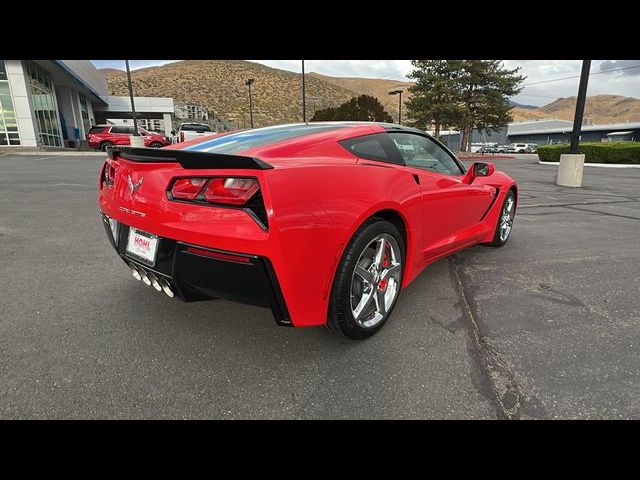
(505, 221)
(362, 301)
(104, 145)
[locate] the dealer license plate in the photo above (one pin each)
(142, 246)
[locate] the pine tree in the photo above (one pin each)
(363, 108)
(435, 97)
(464, 94)
(485, 88)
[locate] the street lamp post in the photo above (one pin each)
(399, 93)
(248, 84)
(133, 108)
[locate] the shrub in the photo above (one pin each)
(603, 152)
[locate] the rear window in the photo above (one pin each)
(195, 128)
(97, 129)
(370, 147)
(236, 142)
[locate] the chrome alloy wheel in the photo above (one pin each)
(376, 280)
(506, 218)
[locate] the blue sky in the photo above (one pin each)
(625, 82)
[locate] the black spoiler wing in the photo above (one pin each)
(187, 158)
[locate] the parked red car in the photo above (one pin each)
(324, 223)
(103, 136)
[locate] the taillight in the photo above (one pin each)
(182, 136)
(241, 192)
(108, 174)
(187, 188)
(231, 190)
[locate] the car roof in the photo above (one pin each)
(259, 139)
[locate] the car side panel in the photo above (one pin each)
(316, 211)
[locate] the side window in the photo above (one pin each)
(119, 130)
(422, 152)
(372, 147)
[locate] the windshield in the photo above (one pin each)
(195, 128)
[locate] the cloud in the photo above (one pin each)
(632, 67)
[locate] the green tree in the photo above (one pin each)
(363, 108)
(485, 88)
(435, 97)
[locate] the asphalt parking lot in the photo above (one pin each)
(546, 327)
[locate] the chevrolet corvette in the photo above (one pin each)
(323, 223)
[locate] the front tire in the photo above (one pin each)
(505, 221)
(155, 145)
(368, 281)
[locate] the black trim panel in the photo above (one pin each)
(188, 159)
(495, 197)
(195, 277)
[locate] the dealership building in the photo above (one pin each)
(547, 132)
(54, 103)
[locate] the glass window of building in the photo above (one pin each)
(9, 134)
(44, 105)
(84, 110)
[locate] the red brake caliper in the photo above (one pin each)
(382, 285)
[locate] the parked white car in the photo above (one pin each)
(189, 131)
(522, 148)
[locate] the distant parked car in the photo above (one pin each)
(488, 149)
(502, 148)
(103, 136)
(189, 131)
(522, 148)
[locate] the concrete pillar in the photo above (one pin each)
(570, 170)
(168, 125)
(137, 140)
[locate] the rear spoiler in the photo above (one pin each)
(187, 158)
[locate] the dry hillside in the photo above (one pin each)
(375, 87)
(219, 85)
(599, 109)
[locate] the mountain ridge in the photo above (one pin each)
(277, 96)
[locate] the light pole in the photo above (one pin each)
(580, 101)
(133, 108)
(248, 84)
(304, 103)
(398, 92)
(571, 166)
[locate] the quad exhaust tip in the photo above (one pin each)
(135, 272)
(160, 284)
(154, 282)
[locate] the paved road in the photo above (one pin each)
(546, 327)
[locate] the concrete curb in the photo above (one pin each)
(55, 154)
(601, 165)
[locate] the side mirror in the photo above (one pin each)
(478, 169)
(482, 169)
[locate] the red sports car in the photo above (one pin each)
(103, 136)
(323, 223)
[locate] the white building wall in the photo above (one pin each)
(168, 126)
(19, 85)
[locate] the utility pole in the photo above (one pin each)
(582, 96)
(133, 108)
(248, 83)
(304, 103)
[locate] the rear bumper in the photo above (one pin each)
(193, 275)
